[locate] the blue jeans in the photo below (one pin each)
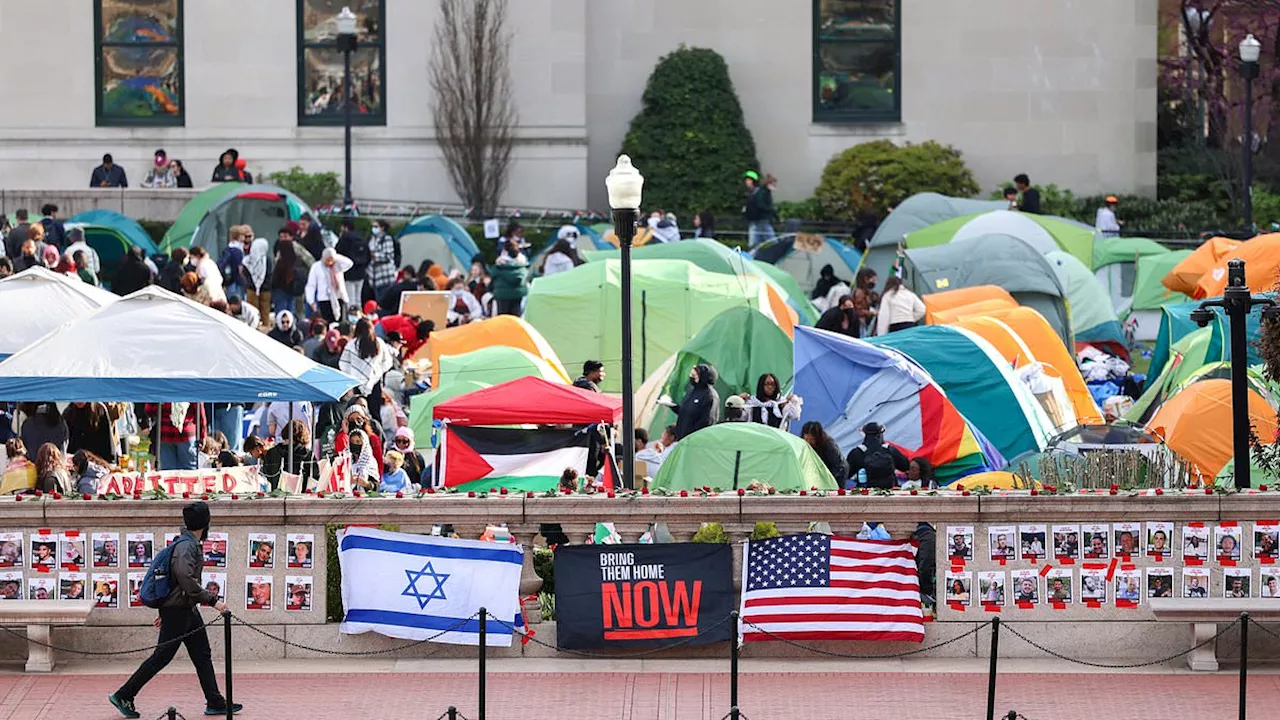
(178, 455)
(281, 301)
(758, 232)
(234, 289)
(229, 420)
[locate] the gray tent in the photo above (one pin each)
(915, 213)
(1001, 260)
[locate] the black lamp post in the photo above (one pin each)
(1237, 302)
(1250, 50)
(625, 185)
(347, 43)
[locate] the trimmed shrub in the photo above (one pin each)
(690, 140)
(878, 175)
(314, 188)
(711, 533)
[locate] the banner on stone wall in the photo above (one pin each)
(177, 482)
(632, 596)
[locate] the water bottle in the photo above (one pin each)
(862, 478)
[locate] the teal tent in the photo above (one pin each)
(438, 239)
(111, 234)
(1176, 323)
(1093, 319)
(916, 213)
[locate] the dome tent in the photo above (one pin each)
(732, 455)
(111, 235)
(1093, 319)
(916, 213)
(438, 239)
(1115, 264)
(1042, 232)
(1176, 323)
(804, 260)
(60, 299)
(1196, 423)
(847, 383)
(265, 208)
(1184, 276)
(1001, 260)
(184, 226)
(1261, 256)
(500, 331)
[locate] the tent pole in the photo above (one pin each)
(291, 438)
(737, 463)
(156, 449)
(644, 327)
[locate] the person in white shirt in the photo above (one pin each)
(463, 306)
(652, 455)
(75, 238)
(564, 254)
(206, 267)
(278, 416)
(899, 308)
(243, 311)
(326, 290)
(1106, 222)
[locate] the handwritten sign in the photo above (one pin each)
(176, 482)
(810, 243)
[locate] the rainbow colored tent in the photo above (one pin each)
(847, 383)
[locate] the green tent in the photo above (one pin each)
(1122, 250)
(493, 365)
(1149, 292)
(578, 311)
(1042, 232)
(979, 382)
(183, 228)
(741, 344)
(796, 297)
(1189, 354)
(712, 256)
(1002, 260)
(731, 455)
(1176, 323)
(1093, 319)
(420, 407)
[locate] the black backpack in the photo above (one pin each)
(878, 462)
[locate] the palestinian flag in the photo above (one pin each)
(484, 458)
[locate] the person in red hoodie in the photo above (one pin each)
(180, 424)
(414, 330)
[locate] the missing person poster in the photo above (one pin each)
(299, 588)
(135, 587)
(216, 583)
(73, 551)
(106, 550)
(141, 549)
(257, 592)
(11, 550)
(42, 588)
(215, 550)
(300, 547)
(71, 585)
(11, 585)
(106, 591)
(632, 596)
(262, 551)
(44, 551)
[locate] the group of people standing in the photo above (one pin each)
(860, 311)
(48, 244)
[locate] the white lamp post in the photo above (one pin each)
(625, 185)
(1250, 51)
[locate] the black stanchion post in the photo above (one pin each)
(991, 676)
(733, 668)
(483, 613)
(226, 652)
(172, 713)
(453, 713)
(1244, 663)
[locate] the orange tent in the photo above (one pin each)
(1002, 337)
(984, 307)
(1261, 257)
(782, 313)
(990, 296)
(1196, 423)
(1047, 349)
(1184, 276)
(507, 330)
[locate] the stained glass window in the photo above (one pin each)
(857, 61)
(320, 63)
(138, 60)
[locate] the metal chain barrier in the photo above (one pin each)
(519, 632)
(848, 656)
(99, 653)
(1263, 628)
(346, 653)
(1121, 666)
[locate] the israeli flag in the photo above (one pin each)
(417, 587)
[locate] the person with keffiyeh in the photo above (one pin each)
(326, 290)
(769, 406)
(365, 472)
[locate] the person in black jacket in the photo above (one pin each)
(827, 450)
(826, 280)
(701, 404)
(226, 169)
(758, 211)
(172, 272)
(310, 237)
(1030, 196)
(355, 246)
(843, 318)
(290, 457)
(133, 273)
(878, 458)
(89, 428)
(181, 621)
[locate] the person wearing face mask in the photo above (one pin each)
(463, 306)
(384, 253)
(365, 472)
(327, 293)
(700, 406)
(842, 318)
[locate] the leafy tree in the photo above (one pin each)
(690, 140)
(876, 176)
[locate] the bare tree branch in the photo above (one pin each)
(474, 110)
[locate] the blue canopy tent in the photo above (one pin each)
(154, 346)
(111, 234)
(438, 239)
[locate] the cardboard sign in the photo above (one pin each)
(810, 243)
(176, 482)
(427, 304)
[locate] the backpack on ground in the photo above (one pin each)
(878, 462)
(157, 583)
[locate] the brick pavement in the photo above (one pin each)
(656, 696)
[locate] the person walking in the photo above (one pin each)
(180, 621)
(384, 258)
(355, 247)
(327, 294)
(899, 308)
(758, 211)
(18, 234)
(288, 278)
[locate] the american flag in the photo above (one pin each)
(819, 587)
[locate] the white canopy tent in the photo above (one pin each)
(38, 300)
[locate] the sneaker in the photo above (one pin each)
(125, 707)
(235, 708)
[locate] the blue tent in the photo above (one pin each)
(1176, 323)
(438, 239)
(111, 234)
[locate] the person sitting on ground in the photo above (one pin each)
(827, 449)
(769, 406)
(394, 479)
(899, 308)
(592, 376)
(878, 458)
(463, 306)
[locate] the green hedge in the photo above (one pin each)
(877, 176)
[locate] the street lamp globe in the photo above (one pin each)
(1250, 49)
(625, 184)
(346, 21)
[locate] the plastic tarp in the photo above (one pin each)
(1184, 276)
(503, 330)
(529, 401)
(154, 346)
(111, 235)
(438, 239)
(916, 213)
(577, 311)
(741, 344)
(979, 383)
(714, 257)
(1261, 257)
(1093, 319)
(265, 208)
(1196, 423)
(1176, 323)
(732, 455)
(183, 228)
(494, 365)
(1042, 232)
(38, 300)
(1001, 260)
(847, 383)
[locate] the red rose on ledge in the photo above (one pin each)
(88, 496)
(235, 496)
(1114, 487)
(1034, 492)
(471, 493)
(186, 496)
(684, 493)
(1113, 490)
(39, 492)
(502, 491)
(1159, 491)
(965, 493)
(320, 494)
(1262, 488)
(528, 493)
(399, 494)
(804, 492)
(431, 491)
(644, 490)
(840, 491)
(741, 492)
(204, 497)
(866, 491)
(1208, 490)
(610, 494)
(913, 492)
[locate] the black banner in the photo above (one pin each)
(643, 596)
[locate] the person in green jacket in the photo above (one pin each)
(510, 274)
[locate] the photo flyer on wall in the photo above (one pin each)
(1195, 543)
(1002, 542)
(1195, 582)
(11, 585)
(1033, 542)
(169, 537)
(301, 550)
(1093, 585)
(215, 550)
(106, 590)
(42, 588)
(1159, 540)
(44, 551)
(960, 544)
(1128, 586)
(1237, 582)
(258, 591)
(1059, 587)
(959, 584)
(991, 587)
(1266, 540)
(71, 585)
(73, 551)
(262, 551)
(1226, 544)
(11, 550)
(141, 548)
(299, 587)
(106, 550)
(216, 583)
(1159, 582)
(135, 587)
(1127, 538)
(1026, 588)
(1066, 544)
(1097, 541)
(1269, 583)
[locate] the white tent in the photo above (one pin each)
(38, 300)
(154, 346)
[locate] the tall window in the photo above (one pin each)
(138, 60)
(320, 63)
(857, 61)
